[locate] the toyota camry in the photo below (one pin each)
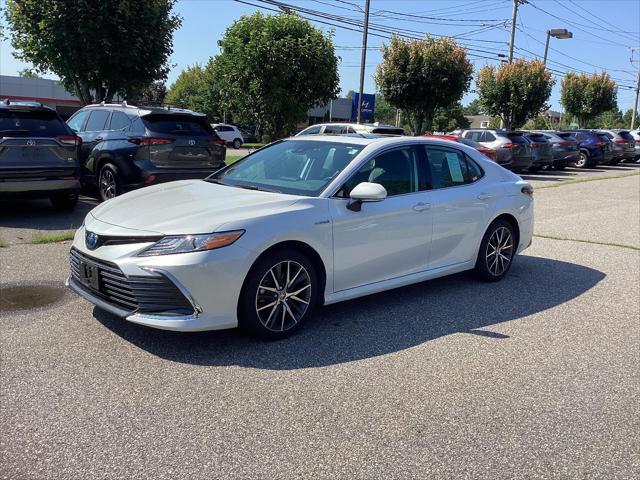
(303, 222)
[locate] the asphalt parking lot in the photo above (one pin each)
(533, 377)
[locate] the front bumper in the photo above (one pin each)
(211, 281)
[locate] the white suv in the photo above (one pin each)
(229, 133)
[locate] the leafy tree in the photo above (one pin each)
(494, 123)
(449, 118)
(540, 122)
(154, 94)
(473, 108)
(273, 68)
(627, 118)
(187, 90)
(609, 119)
(28, 73)
(514, 91)
(419, 76)
(587, 96)
(384, 112)
(98, 48)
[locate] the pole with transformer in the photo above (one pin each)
(363, 58)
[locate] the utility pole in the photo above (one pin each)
(363, 58)
(635, 102)
(514, 16)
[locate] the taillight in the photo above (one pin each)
(619, 140)
(510, 145)
(566, 143)
(70, 140)
(145, 141)
(535, 145)
(600, 143)
(217, 142)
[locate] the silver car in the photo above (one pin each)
(512, 148)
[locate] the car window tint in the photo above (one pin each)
(450, 168)
(475, 136)
(312, 130)
(97, 121)
(396, 170)
(188, 125)
(120, 121)
(488, 137)
(76, 121)
(38, 123)
(334, 129)
(136, 125)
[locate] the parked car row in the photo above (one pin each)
(105, 148)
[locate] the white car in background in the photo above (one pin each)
(229, 133)
(335, 128)
(302, 222)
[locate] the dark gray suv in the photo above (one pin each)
(38, 154)
(126, 147)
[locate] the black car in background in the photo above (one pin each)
(564, 148)
(38, 154)
(126, 147)
(541, 151)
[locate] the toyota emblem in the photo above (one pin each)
(91, 240)
(192, 142)
(31, 143)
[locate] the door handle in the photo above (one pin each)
(419, 207)
(484, 196)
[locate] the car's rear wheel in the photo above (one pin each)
(583, 161)
(237, 143)
(64, 201)
(496, 253)
(560, 166)
(279, 295)
(108, 182)
(534, 169)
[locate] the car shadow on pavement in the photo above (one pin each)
(38, 214)
(379, 324)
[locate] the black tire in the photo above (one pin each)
(487, 268)
(583, 161)
(560, 167)
(109, 183)
(64, 201)
(237, 143)
(534, 169)
(269, 311)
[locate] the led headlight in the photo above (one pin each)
(191, 243)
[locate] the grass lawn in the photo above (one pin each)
(53, 237)
(253, 145)
(229, 159)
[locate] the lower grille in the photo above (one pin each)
(144, 294)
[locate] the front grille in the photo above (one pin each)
(145, 294)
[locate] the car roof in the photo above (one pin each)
(143, 110)
(8, 104)
(370, 139)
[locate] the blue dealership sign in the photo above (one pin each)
(368, 106)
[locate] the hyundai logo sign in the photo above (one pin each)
(91, 240)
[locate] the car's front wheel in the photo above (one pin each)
(496, 253)
(583, 161)
(279, 295)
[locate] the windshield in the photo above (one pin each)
(189, 125)
(37, 123)
(297, 167)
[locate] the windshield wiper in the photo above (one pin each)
(254, 187)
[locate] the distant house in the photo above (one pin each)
(478, 121)
(554, 117)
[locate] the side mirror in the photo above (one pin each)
(366, 192)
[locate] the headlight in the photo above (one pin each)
(191, 243)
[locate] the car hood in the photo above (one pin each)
(188, 207)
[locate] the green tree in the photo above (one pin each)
(154, 94)
(539, 122)
(446, 119)
(188, 89)
(609, 119)
(384, 112)
(473, 108)
(587, 96)
(627, 118)
(419, 76)
(514, 91)
(28, 73)
(98, 48)
(273, 68)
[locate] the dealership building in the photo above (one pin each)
(48, 92)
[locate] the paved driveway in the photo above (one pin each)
(533, 377)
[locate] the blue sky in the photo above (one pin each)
(603, 32)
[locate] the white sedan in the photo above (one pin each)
(303, 222)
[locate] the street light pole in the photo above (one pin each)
(560, 33)
(363, 58)
(546, 47)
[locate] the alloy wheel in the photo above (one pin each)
(283, 296)
(582, 162)
(108, 185)
(499, 251)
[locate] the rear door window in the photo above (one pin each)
(334, 130)
(187, 125)
(450, 168)
(120, 121)
(626, 136)
(475, 136)
(97, 121)
(488, 137)
(34, 123)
